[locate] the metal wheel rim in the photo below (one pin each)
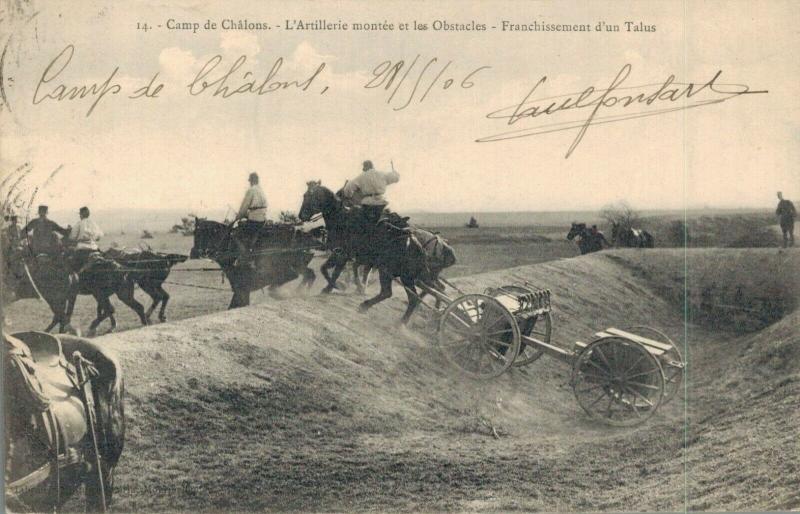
(618, 381)
(672, 375)
(479, 335)
(542, 330)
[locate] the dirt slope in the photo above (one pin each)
(304, 404)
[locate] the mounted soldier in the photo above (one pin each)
(86, 235)
(252, 217)
(367, 190)
(45, 238)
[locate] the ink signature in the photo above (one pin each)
(655, 99)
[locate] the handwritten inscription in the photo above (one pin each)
(221, 84)
(406, 83)
(613, 102)
(429, 77)
(64, 92)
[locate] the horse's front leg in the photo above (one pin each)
(360, 286)
(386, 292)
(413, 298)
(339, 263)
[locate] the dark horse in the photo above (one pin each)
(284, 259)
(64, 421)
(149, 270)
(340, 224)
(588, 241)
(394, 250)
(51, 278)
(631, 237)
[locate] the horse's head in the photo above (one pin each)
(577, 229)
(317, 199)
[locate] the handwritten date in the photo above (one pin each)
(392, 76)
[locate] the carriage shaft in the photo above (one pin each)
(550, 349)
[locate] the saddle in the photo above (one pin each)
(49, 381)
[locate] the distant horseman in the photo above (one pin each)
(86, 235)
(252, 217)
(45, 239)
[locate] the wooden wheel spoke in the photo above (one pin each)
(463, 349)
(639, 395)
(603, 357)
(642, 356)
(498, 332)
(500, 342)
(591, 363)
(496, 354)
(596, 400)
(633, 404)
(641, 373)
(640, 384)
(499, 318)
(457, 318)
(593, 375)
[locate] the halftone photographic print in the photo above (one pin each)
(400, 256)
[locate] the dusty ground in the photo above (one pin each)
(303, 404)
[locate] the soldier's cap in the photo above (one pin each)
(42, 208)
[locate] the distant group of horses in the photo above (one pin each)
(29, 274)
(592, 240)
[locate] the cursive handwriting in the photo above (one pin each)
(64, 92)
(247, 83)
(659, 98)
(385, 75)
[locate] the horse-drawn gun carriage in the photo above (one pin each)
(620, 377)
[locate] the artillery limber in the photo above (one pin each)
(621, 376)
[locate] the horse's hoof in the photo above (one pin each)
(91, 332)
(162, 319)
(364, 307)
(327, 290)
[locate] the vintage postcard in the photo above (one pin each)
(418, 256)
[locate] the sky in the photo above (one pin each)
(194, 151)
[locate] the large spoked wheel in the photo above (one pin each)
(479, 335)
(618, 381)
(539, 327)
(671, 362)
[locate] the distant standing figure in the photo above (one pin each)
(786, 214)
(86, 235)
(44, 239)
(252, 215)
